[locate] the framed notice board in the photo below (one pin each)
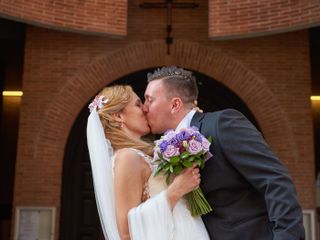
(34, 223)
(309, 224)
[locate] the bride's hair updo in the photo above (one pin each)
(117, 98)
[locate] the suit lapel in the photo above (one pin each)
(197, 120)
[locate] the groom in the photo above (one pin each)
(251, 192)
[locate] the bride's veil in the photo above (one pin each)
(101, 152)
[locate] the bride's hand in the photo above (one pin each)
(198, 109)
(187, 181)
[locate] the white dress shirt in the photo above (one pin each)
(186, 121)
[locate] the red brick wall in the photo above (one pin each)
(99, 16)
(227, 19)
(64, 70)
(238, 18)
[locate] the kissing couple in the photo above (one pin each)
(250, 190)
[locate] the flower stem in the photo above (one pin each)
(198, 204)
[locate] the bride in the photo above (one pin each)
(132, 203)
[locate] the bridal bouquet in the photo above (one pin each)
(177, 150)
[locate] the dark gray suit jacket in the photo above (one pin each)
(251, 192)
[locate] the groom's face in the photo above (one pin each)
(157, 107)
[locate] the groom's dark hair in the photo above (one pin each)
(178, 82)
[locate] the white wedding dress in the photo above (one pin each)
(154, 219)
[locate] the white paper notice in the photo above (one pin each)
(29, 225)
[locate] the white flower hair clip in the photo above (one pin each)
(98, 103)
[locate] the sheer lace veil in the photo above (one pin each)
(101, 152)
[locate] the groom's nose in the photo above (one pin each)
(145, 108)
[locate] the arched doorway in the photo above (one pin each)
(79, 217)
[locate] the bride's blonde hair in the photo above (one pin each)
(119, 97)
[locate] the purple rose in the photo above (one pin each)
(192, 130)
(183, 135)
(169, 135)
(197, 136)
(174, 141)
(163, 146)
(168, 131)
(195, 128)
(171, 151)
(205, 144)
(194, 146)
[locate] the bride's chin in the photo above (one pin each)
(146, 132)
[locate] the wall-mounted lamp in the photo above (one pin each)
(315, 98)
(12, 93)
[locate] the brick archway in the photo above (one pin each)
(250, 87)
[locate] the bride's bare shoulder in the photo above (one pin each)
(127, 157)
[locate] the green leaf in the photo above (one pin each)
(158, 160)
(177, 169)
(210, 139)
(159, 168)
(174, 160)
(162, 164)
(166, 168)
(168, 180)
(184, 155)
(187, 164)
(202, 163)
(198, 162)
(199, 154)
(161, 156)
(171, 168)
(191, 159)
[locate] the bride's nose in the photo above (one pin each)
(145, 108)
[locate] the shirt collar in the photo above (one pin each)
(185, 122)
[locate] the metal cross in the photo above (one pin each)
(169, 4)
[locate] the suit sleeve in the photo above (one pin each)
(245, 148)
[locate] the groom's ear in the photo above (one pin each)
(176, 104)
